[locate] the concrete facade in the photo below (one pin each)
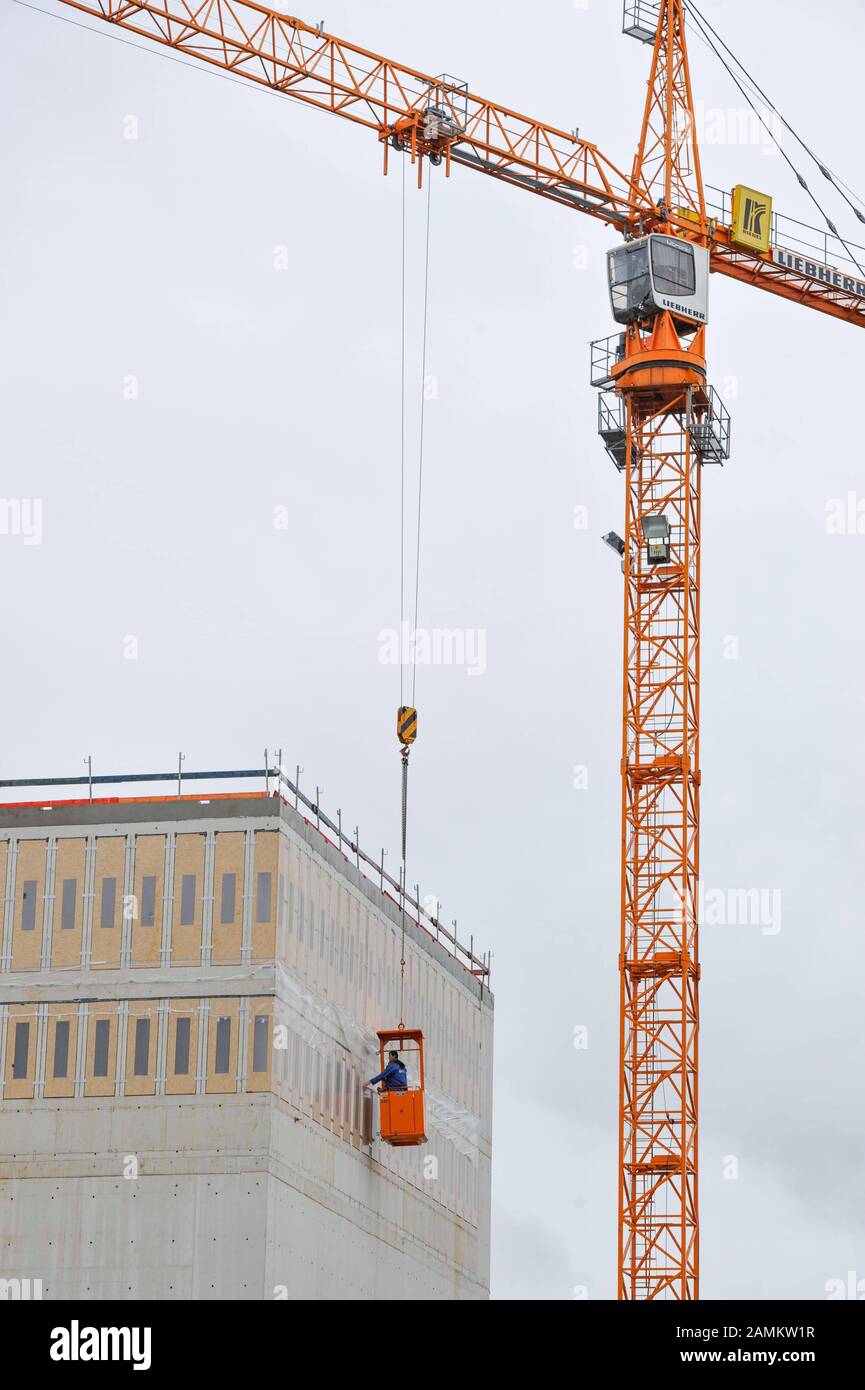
(189, 993)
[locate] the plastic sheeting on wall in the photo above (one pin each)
(315, 1019)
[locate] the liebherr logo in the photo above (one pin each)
(77, 1343)
(754, 218)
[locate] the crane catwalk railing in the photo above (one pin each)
(814, 244)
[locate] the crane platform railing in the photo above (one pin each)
(606, 353)
(797, 238)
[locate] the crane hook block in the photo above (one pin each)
(406, 725)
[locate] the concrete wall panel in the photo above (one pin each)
(188, 900)
(228, 895)
(61, 1051)
(68, 917)
(107, 931)
(149, 888)
(29, 905)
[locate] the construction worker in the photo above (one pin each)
(394, 1076)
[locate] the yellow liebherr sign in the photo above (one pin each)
(752, 218)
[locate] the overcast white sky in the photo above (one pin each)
(258, 388)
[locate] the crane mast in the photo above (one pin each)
(659, 970)
(662, 424)
(661, 382)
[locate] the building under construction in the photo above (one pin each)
(191, 990)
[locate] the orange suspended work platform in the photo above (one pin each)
(402, 1114)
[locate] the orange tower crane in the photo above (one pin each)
(661, 423)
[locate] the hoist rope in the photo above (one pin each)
(423, 384)
(404, 802)
(402, 448)
(703, 26)
(402, 596)
(402, 575)
(402, 880)
(402, 950)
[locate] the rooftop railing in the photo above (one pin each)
(277, 783)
